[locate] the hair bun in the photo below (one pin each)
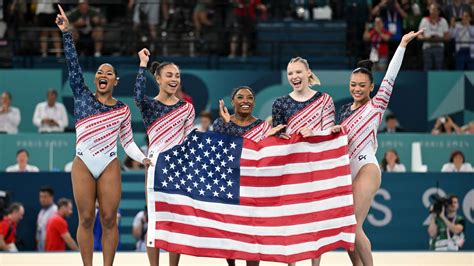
(367, 64)
(154, 66)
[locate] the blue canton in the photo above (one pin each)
(345, 112)
(206, 167)
(150, 108)
(85, 103)
(285, 107)
(232, 128)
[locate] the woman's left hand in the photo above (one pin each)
(410, 36)
(147, 163)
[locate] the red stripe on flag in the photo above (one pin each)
(295, 138)
(296, 198)
(202, 231)
(232, 254)
(302, 157)
(308, 217)
(272, 181)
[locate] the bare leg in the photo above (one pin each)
(355, 258)
(230, 262)
(253, 263)
(315, 261)
(174, 258)
(109, 190)
(84, 188)
(233, 45)
(44, 43)
(364, 187)
(97, 36)
(56, 43)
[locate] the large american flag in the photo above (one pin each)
(277, 200)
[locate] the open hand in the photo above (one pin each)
(223, 112)
(274, 130)
(410, 36)
(62, 21)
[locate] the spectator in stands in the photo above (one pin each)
(446, 228)
(391, 124)
(392, 15)
(245, 19)
(453, 12)
(391, 162)
(48, 209)
(445, 124)
(50, 116)
(131, 165)
(205, 122)
(151, 11)
(57, 230)
(436, 32)
(8, 227)
(22, 165)
(414, 14)
(468, 128)
(139, 229)
(9, 116)
(378, 37)
(45, 15)
(87, 22)
(182, 95)
(457, 163)
(200, 16)
(3, 24)
(463, 34)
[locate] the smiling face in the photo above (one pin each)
(243, 102)
(105, 79)
(391, 157)
(298, 75)
(169, 79)
(360, 87)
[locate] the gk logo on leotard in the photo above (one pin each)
(362, 157)
(112, 154)
(79, 153)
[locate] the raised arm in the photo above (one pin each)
(140, 82)
(76, 79)
(382, 97)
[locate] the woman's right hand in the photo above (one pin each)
(223, 112)
(62, 21)
(144, 56)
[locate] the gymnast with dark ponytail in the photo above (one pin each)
(168, 120)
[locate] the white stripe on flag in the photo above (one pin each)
(300, 147)
(264, 231)
(283, 190)
(219, 243)
(252, 211)
(295, 168)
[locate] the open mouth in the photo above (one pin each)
(103, 83)
(297, 84)
(245, 107)
(173, 84)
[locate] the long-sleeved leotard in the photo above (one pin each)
(363, 122)
(255, 131)
(317, 113)
(166, 125)
(98, 126)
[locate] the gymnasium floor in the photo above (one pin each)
(329, 259)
